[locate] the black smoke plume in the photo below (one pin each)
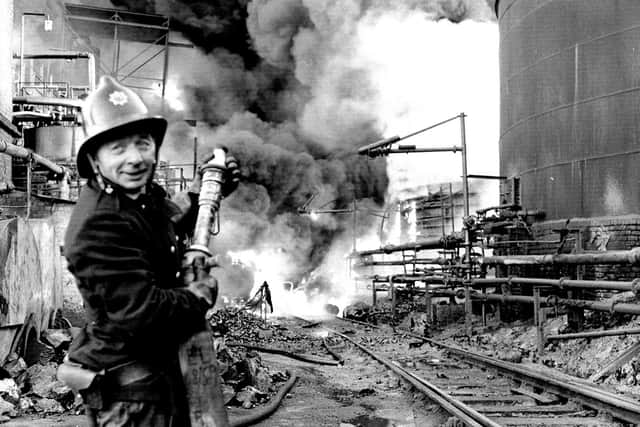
(277, 84)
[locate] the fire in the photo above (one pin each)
(172, 95)
(276, 267)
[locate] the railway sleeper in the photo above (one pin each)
(494, 410)
(555, 421)
(488, 390)
(503, 399)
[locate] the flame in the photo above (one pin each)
(172, 95)
(275, 266)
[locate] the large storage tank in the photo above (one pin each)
(57, 143)
(570, 104)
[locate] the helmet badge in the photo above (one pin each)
(118, 98)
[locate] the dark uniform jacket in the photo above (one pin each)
(126, 255)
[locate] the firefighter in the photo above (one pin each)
(124, 245)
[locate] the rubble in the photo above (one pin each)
(59, 339)
(7, 409)
(239, 326)
(48, 406)
(14, 365)
(9, 391)
(246, 382)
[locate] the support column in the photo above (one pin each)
(575, 315)
(538, 320)
(374, 297)
(468, 319)
(392, 288)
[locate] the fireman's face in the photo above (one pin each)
(128, 162)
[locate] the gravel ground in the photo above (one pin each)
(362, 393)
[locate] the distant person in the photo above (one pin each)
(267, 295)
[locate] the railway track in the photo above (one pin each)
(477, 390)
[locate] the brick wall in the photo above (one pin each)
(592, 234)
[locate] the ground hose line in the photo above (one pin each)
(302, 357)
(263, 412)
(332, 352)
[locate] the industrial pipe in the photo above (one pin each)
(25, 153)
(633, 286)
(552, 300)
(449, 242)
(421, 261)
(410, 278)
(631, 256)
(48, 100)
(91, 62)
(595, 334)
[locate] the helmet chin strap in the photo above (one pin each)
(98, 175)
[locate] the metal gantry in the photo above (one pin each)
(123, 26)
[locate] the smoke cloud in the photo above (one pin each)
(287, 86)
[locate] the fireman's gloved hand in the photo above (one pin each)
(231, 175)
(205, 288)
(198, 279)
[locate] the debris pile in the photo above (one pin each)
(35, 389)
(241, 327)
(246, 381)
(383, 312)
(28, 390)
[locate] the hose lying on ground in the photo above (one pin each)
(311, 325)
(332, 352)
(302, 357)
(262, 412)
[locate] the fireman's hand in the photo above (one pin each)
(206, 289)
(231, 175)
(197, 277)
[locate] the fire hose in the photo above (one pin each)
(197, 355)
(297, 356)
(263, 412)
(198, 360)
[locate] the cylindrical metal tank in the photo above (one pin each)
(570, 104)
(57, 143)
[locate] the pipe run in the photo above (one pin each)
(624, 286)
(411, 278)
(448, 242)
(595, 334)
(631, 256)
(25, 153)
(417, 261)
(614, 307)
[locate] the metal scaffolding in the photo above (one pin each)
(118, 26)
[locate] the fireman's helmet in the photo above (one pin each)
(113, 111)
